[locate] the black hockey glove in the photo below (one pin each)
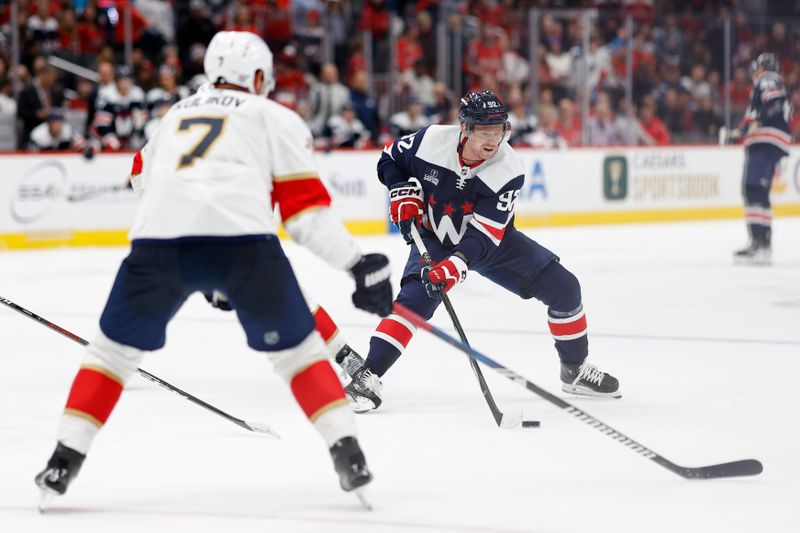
(373, 284)
(218, 300)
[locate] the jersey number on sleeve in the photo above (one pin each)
(507, 200)
(214, 124)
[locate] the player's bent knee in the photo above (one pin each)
(118, 359)
(413, 296)
(560, 289)
(289, 362)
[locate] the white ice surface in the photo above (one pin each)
(708, 355)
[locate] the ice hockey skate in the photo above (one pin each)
(61, 469)
(350, 464)
(755, 253)
(587, 380)
(364, 391)
(349, 361)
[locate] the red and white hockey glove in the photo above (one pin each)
(444, 275)
(407, 206)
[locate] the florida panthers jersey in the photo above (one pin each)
(217, 165)
(208, 169)
(467, 208)
(767, 117)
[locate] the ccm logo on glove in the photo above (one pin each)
(406, 206)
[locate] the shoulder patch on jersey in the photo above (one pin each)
(502, 168)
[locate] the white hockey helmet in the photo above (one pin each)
(235, 56)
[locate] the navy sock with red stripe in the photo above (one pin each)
(570, 333)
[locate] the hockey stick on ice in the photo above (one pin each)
(255, 427)
(503, 420)
(745, 467)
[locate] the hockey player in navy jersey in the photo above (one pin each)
(459, 184)
(765, 130)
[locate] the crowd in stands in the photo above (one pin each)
(365, 71)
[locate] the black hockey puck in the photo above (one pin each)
(530, 423)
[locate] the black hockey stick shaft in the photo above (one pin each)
(255, 427)
(487, 394)
(745, 467)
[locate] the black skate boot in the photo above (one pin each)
(758, 252)
(63, 466)
(350, 464)
(349, 361)
(364, 391)
(586, 380)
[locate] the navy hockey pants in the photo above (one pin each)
(157, 277)
(520, 265)
(759, 167)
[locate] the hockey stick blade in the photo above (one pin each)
(515, 421)
(745, 467)
(259, 427)
(256, 427)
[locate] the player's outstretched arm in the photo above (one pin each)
(305, 207)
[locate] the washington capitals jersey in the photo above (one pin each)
(468, 208)
(768, 113)
(119, 114)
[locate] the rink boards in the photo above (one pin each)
(64, 199)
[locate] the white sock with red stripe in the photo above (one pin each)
(329, 332)
(95, 391)
(316, 387)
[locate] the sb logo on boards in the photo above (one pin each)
(615, 177)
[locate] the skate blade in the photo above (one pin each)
(46, 499)
(758, 259)
(362, 498)
(589, 393)
(361, 405)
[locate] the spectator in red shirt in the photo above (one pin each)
(138, 25)
(408, 49)
(290, 84)
(68, 40)
(277, 23)
(484, 54)
(375, 18)
(243, 20)
(488, 12)
(653, 126)
(90, 34)
(569, 124)
(739, 89)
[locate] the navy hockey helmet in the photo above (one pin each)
(767, 61)
(483, 109)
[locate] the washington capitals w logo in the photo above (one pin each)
(446, 228)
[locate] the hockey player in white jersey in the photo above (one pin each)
(205, 224)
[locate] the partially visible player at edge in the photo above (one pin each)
(460, 184)
(205, 224)
(766, 133)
